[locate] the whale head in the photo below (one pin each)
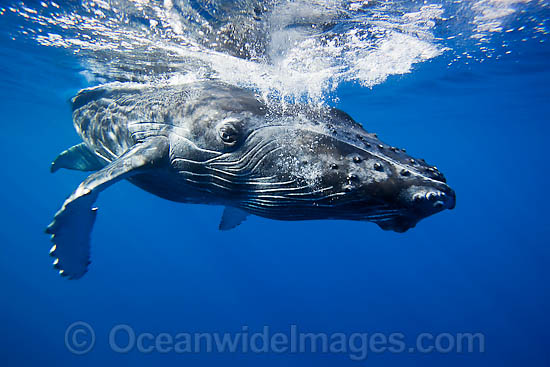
(298, 162)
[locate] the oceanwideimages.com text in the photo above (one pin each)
(80, 338)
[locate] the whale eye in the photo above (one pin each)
(228, 133)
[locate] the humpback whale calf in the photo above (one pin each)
(212, 143)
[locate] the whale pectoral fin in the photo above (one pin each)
(72, 224)
(70, 232)
(231, 218)
(78, 157)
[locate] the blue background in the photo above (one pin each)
(164, 267)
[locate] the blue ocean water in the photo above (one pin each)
(164, 268)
